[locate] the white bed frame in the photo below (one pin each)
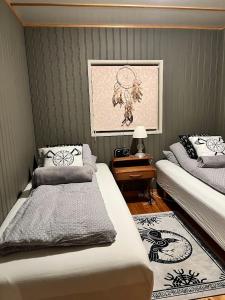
(119, 271)
(204, 204)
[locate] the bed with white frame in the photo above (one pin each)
(119, 271)
(204, 204)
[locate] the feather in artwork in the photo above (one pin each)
(127, 92)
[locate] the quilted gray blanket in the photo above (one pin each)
(63, 215)
(215, 177)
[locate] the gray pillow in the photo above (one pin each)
(89, 159)
(181, 155)
(171, 157)
(94, 159)
(211, 161)
(61, 175)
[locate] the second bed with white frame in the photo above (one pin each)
(204, 204)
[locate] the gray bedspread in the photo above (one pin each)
(213, 177)
(62, 215)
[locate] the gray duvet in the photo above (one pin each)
(63, 215)
(215, 177)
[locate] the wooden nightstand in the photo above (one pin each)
(132, 168)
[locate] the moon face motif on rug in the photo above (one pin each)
(166, 247)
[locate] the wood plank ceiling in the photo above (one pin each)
(194, 14)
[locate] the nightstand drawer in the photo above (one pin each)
(138, 175)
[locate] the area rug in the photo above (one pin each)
(183, 267)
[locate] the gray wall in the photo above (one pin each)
(221, 90)
(16, 124)
(57, 62)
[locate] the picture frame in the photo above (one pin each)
(139, 81)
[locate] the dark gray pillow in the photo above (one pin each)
(171, 157)
(61, 175)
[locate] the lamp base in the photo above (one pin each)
(140, 154)
(140, 147)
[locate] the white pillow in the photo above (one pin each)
(208, 145)
(62, 156)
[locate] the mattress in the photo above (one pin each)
(204, 204)
(119, 271)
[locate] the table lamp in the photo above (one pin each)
(140, 133)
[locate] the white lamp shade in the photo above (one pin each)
(140, 132)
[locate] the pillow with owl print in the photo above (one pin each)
(208, 145)
(62, 156)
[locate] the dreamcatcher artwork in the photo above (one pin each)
(127, 92)
(123, 96)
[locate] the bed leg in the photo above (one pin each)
(164, 195)
(160, 190)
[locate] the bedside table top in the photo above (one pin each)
(131, 169)
(131, 158)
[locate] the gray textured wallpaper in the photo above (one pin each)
(57, 62)
(16, 124)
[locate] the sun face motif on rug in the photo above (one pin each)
(165, 246)
(180, 278)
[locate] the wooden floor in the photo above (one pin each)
(161, 205)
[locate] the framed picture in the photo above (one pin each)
(124, 94)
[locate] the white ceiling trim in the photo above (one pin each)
(200, 3)
(122, 26)
(139, 14)
(117, 5)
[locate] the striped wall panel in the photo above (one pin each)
(16, 124)
(221, 90)
(57, 62)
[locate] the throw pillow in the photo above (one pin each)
(184, 140)
(62, 156)
(208, 145)
(171, 157)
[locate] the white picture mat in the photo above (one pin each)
(99, 117)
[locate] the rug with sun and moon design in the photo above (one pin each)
(183, 266)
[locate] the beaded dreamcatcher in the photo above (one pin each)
(127, 91)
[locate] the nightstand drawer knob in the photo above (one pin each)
(135, 175)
